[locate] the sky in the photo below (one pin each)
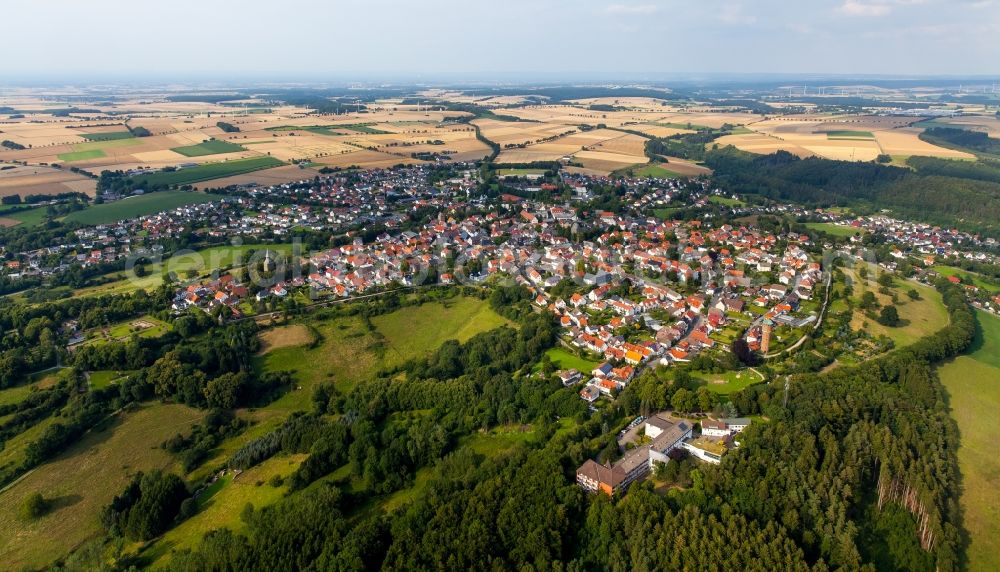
(479, 39)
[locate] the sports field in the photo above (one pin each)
(973, 385)
(141, 205)
(210, 147)
(838, 230)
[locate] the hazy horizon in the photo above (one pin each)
(519, 40)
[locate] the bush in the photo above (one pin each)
(889, 316)
(33, 506)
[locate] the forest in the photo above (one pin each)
(853, 469)
(944, 197)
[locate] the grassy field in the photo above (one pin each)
(726, 201)
(208, 171)
(28, 217)
(691, 126)
(729, 382)
(84, 479)
(973, 385)
(220, 505)
(210, 147)
(967, 277)
(110, 136)
(318, 129)
(350, 351)
(95, 149)
(834, 229)
(666, 212)
(104, 378)
(847, 134)
(566, 360)
(519, 172)
(140, 205)
(81, 155)
(918, 317)
(653, 171)
(361, 128)
(19, 392)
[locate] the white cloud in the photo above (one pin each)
(856, 8)
(734, 14)
(632, 9)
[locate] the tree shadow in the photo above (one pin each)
(978, 338)
(64, 501)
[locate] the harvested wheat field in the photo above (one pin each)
(988, 123)
(275, 176)
(844, 137)
(33, 180)
(365, 159)
(599, 150)
(907, 142)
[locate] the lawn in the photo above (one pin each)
(566, 360)
(728, 382)
(140, 205)
(83, 480)
(110, 136)
(973, 385)
(838, 230)
(220, 505)
(967, 277)
(667, 212)
(104, 378)
(210, 147)
(208, 171)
